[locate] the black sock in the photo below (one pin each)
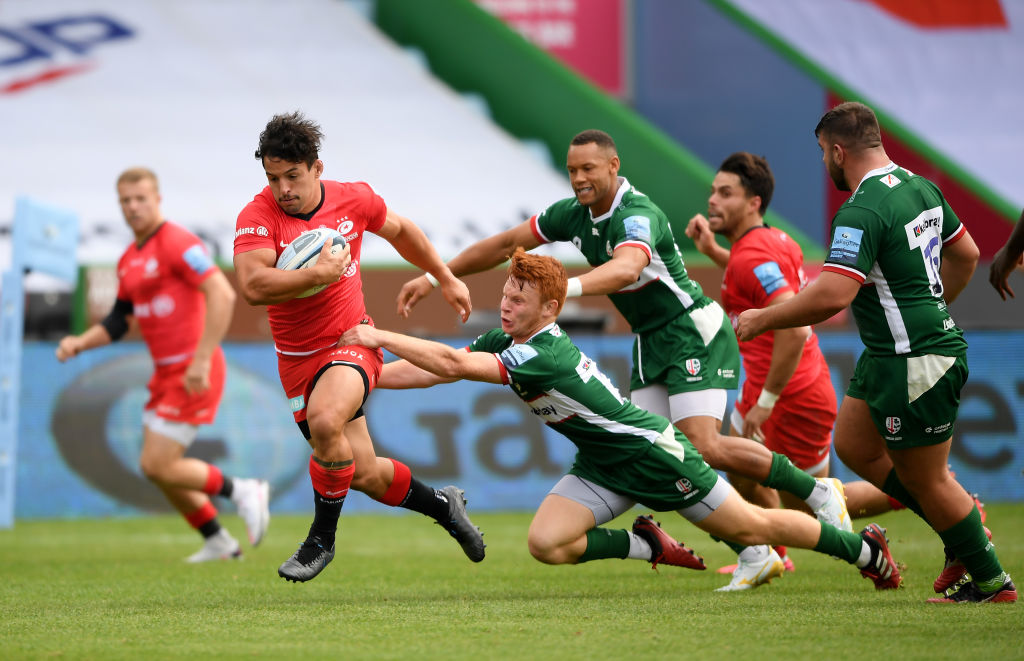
(425, 500)
(210, 528)
(227, 488)
(326, 512)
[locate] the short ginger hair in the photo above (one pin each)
(545, 273)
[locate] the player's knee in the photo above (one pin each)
(709, 451)
(153, 468)
(545, 548)
(324, 427)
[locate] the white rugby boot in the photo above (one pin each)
(750, 573)
(252, 497)
(834, 510)
(221, 546)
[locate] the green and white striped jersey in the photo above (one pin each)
(565, 388)
(889, 236)
(664, 290)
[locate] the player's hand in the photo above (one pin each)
(363, 335)
(700, 233)
(456, 293)
(752, 422)
(333, 265)
(69, 347)
(999, 272)
(750, 324)
(197, 376)
(411, 294)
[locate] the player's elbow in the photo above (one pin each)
(451, 366)
(251, 296)
(252, 292)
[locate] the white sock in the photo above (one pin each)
(755, 554)
(865, 555)
(819, 496)
(638, 547)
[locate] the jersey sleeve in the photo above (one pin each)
(952, 229)
(493, 341)
(856, 235)
(370, 205)
(550, 225)
(528, 365)
(189, 258)
(635, 230)
(760, 277)
(253, 228)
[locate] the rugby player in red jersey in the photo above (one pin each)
(787, 400)
(183, 305)
(327, 384)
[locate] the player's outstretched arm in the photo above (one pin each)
(439, 359)
(414, 247)
(1009, 257)
(480, 256)
(622, 270)
(829, 294)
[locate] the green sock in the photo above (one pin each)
(784, 476)
(733, 545)
(605, 543)
(839, 543)
(967, 540)
(893, 487)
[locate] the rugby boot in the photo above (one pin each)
(968, 592)
(749, 575)
(664, 549)
(834, 510)
(252, 497)
(882, 569)
(308, 561)
(953, 570)
(460, 527)
(221, 546)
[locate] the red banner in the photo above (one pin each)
(585, 35)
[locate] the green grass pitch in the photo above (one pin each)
(400, 588)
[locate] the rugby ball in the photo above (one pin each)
(304, 252)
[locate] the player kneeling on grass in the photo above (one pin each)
(625, 456)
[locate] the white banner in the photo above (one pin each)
(90, 87)
(953, 75)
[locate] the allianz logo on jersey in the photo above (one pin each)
(258, 230)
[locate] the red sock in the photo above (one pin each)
(330, 484)
(214, 481)
(399, 487)
(203, 515)
(781, 550)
